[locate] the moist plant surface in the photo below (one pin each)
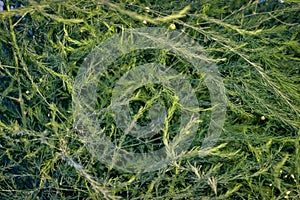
(255, 45)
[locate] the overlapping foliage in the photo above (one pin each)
(256, 47)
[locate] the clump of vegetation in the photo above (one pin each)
(255, 45)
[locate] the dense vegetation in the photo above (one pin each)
(255, 45)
